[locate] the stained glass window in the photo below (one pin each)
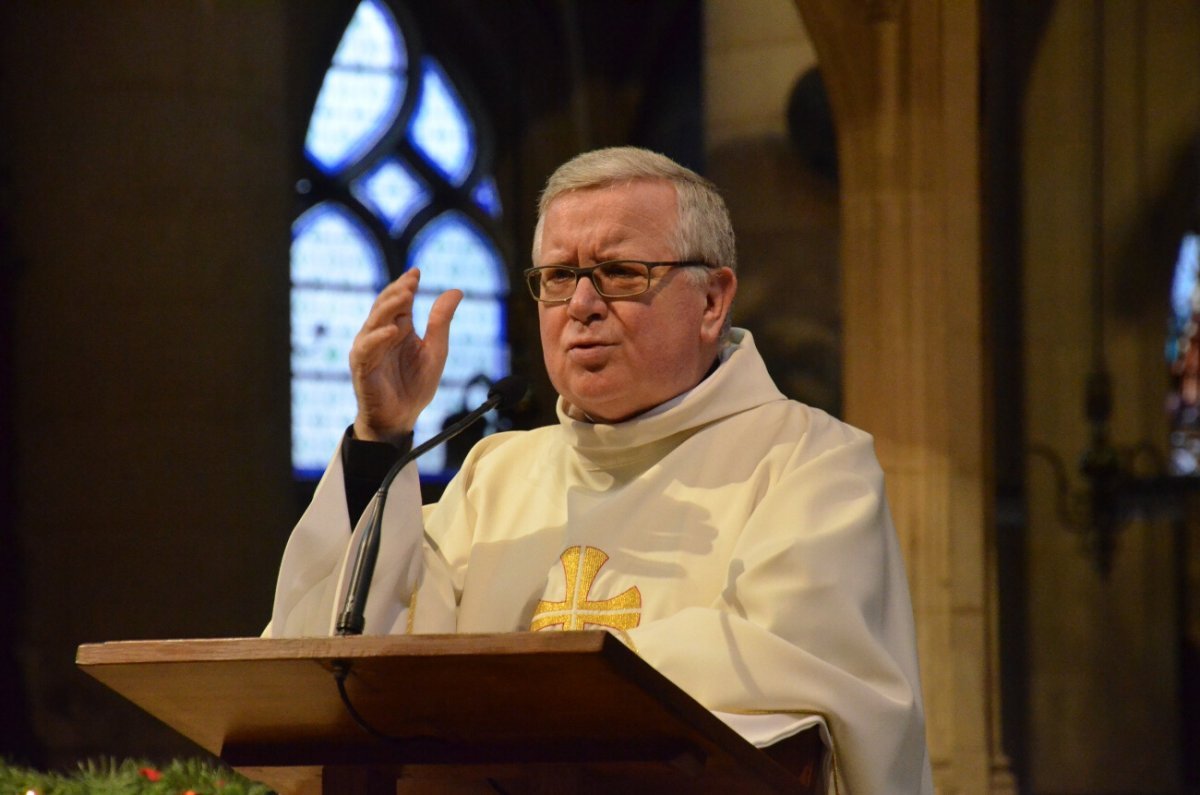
(441, 128)
(362, 92)
(1183, 358)
(377, 188)
(393, 192)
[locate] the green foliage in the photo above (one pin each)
(130, 777)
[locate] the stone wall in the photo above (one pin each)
(1103, 651)
(147, 181)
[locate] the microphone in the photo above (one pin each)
(504, 394)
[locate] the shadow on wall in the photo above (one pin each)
(782, 194)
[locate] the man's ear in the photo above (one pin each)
(722, 286)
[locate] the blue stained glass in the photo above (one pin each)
(337, 268)
(338, 265)
(362, 92)
(441, 129)
(393, 192)
(1187, 277)
(372, 40)
(330, 247)
(452, 252)
(487, 197)
(321, 410)
(324, 323)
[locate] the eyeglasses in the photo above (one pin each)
(555, 284)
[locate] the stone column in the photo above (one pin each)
(903, 79)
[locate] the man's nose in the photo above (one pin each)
(586, 302)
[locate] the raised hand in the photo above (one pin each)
(396, 372)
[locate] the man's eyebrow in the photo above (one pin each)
(595, 262)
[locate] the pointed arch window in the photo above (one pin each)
(396, 179)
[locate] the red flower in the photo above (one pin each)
(150, 773)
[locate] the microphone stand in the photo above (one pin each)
(507, 391)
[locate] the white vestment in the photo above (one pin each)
(740, 542)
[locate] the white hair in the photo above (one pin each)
(703, 233)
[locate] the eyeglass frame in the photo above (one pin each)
(588, 271)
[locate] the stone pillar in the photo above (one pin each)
(903, 80)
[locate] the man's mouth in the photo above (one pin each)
(588, 344)
(590, 354)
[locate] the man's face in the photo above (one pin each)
(615, 358)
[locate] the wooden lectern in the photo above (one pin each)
(514, 713)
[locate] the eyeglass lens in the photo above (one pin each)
(611, 279)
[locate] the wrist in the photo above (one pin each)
(398, 436)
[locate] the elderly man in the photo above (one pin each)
(738, 541)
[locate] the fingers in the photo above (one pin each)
(395, 372)
(370, 347)
(437, 331)
(394, 304)
(389, 325)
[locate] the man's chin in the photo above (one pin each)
(589, 408)
(606, 412)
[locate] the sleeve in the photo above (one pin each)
(364, 466)
(814, 619)
(320, 550)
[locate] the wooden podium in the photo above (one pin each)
(515, 713)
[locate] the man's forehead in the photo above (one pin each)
(641, 204)
(629, 191)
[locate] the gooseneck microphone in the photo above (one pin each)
(505, 393)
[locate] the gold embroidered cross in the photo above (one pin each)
(577, 611)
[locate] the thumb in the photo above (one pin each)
(437, 330)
